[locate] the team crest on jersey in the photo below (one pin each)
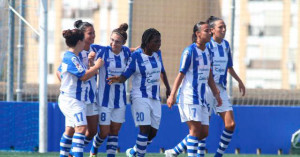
(77, 64)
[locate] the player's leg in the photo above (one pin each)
(104, 121)
(79, 119)
(66, 138)
(140, 109)
(178, 149)
(118, 117)
(92, 121)
(192, 141)
(205, 114)
(227, 132)
(66, 141)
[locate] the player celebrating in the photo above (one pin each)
(222, 63)
(111, 98)
(146, 66)
(90, 91)
(194, 75)
(74, 76)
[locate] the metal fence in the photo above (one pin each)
(265, 41)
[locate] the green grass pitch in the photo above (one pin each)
(22, 154)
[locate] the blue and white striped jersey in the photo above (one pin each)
(146, 74)
(195, 64)
(112, 96)
(90, 90)
(72, 69)
(222, 60)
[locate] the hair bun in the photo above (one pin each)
(67, 33)
(78, 23)
(123, 26)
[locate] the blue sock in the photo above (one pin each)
(192, 144)
(141, 144)
(97, 141)
(133, 150)
(65, 145)
(201, 148)
(111, 145)
(224, 142)
(78, 144)
(180, 147)
(87, 141)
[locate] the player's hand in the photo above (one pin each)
(99, 62)
(92, 55)
(171, 101)
(113, 79)
(219, 100)
(242, 88)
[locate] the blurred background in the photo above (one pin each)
(265, 40)
(265, 36)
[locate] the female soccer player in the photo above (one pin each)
(111, 98)
(222, 63)
(90, 91)
(90, 95)
(74, 76)
(146, 66)
(194, 75)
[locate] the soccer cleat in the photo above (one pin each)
(128, 154)
(93, 155)
(170, 153)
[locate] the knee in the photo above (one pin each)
(145, 129)
(114, 131)
(81, 129)
(104, 133)
(90, 133)
(203, 134)
(69, 131)
(230, 126)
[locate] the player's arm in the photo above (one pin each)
(214, 89)
(237, 78)
(58, 75)
(163, 76)
(171, 100)
(132, 49)
(93, 70)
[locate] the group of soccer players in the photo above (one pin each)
(201, 82)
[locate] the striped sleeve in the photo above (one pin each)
(131, 66)
(185, 60)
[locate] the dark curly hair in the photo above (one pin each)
(148, 35)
